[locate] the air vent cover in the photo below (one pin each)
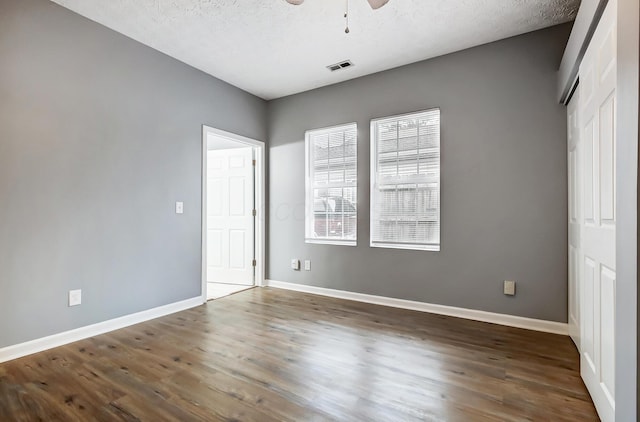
(341, 65)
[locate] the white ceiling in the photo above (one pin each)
(272, 49)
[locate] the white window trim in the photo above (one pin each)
(372, 188)
(308, 192)
(333, 242)
(407, 246)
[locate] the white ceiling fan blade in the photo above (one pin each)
(295, 2)
(376, 4)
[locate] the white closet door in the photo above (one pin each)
(598, 224)
(230, 221)
(575, 214)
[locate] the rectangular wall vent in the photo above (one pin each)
(341, 65)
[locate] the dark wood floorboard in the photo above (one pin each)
(274, 355)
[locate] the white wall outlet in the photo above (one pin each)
(307, 265)
(179, 207)
(75, 297)
(509, 288)
(295, 264)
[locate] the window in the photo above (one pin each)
(405, 181)
(331, 188)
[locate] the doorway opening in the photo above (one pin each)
(232, 213)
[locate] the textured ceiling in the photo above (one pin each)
(272, 49)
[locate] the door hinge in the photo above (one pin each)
(254, 263)
(253, 162)
(254, 212)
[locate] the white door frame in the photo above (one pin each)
(259, 202)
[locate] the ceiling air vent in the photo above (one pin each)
(341, 65)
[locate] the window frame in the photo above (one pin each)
(373, 152)
(309, 218)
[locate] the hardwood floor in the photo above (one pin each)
(274, 355)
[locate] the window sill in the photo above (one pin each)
(332, 242)
(428, 248)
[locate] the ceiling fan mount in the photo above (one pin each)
(375, 4)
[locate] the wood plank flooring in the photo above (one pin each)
(274, 355)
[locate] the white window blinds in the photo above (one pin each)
(331, 185)
(405, 181)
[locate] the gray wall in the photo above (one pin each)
(504, 183)
(99, 136)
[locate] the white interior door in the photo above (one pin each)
(230, 220)
(575, 214)
(598, 224)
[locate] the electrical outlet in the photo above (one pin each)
(179, 207)
(509, 288)
(295, 264)
(75, 297)
(307, 265)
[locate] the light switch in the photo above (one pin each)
(75, 297)
(179, 207)
(509, 288)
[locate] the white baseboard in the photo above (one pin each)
(60, 339)
(494, 318)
